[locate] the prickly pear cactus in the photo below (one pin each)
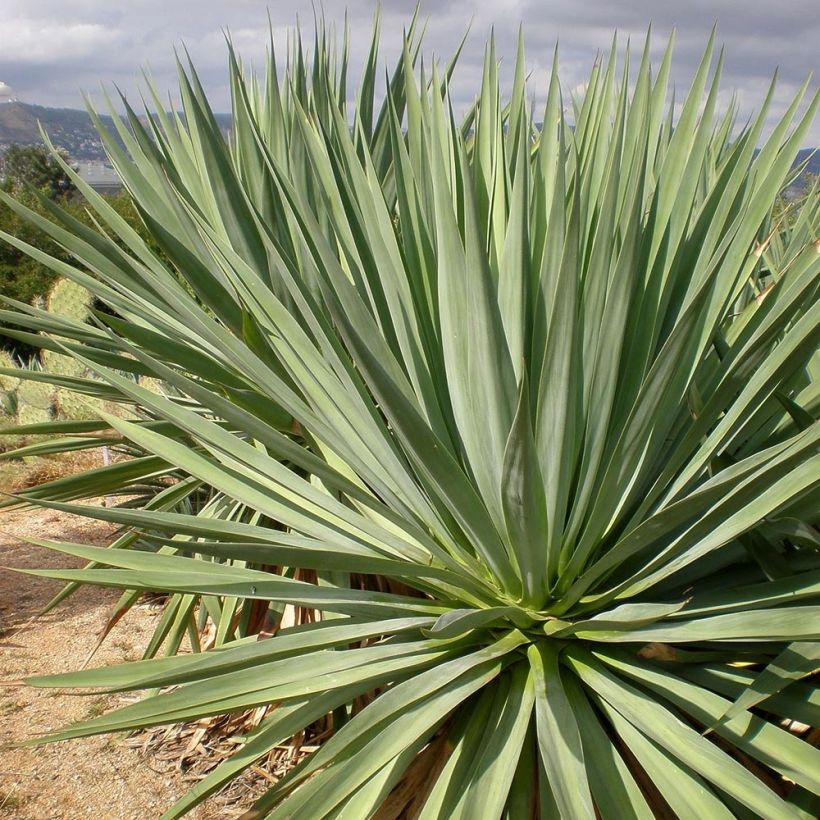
(34, 402)
(27, 414)
(36, 393)
(61, 365)
(8, 406)
(152, 384)
(67, 298)
(8, 383)
(71, 405)
(73, 301)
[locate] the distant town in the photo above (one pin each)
(69, 129)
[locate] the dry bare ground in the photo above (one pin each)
(97, 778)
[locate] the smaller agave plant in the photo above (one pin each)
(498, 403)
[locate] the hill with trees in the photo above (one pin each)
(69, 128)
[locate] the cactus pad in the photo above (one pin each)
(67, 298)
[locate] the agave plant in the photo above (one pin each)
(485, 387)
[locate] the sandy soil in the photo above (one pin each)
(100, 778)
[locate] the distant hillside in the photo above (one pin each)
(813, 156)
(69, 128)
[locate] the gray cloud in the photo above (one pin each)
(50, 51)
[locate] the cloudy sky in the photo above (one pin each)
(51, 50)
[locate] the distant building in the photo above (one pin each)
(100, 176)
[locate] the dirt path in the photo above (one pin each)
(99, 778)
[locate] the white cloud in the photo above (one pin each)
(43, 41)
